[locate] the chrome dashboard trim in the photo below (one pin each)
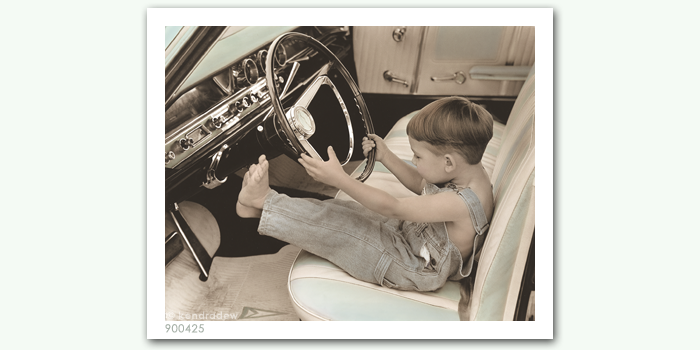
(202, 129)
(220, 110)
(230, 119)
(212, 181)
(228, 89)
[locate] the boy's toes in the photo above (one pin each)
(246, 177)
(257, 176)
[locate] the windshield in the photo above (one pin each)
(170, 33)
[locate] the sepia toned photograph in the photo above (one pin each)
(347, 173)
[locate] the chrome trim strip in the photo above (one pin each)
(194, 255)
(421, 50)
(171, 236)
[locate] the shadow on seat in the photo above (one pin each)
(321, 291)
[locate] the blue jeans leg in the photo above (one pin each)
(358, 240)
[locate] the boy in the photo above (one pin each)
(414, 243)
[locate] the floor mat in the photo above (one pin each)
(238, 289)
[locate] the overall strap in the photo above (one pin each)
(480, 223)
(476, 210)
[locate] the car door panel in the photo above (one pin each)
(436, 57)
(376, 51)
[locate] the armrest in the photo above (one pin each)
(517, 73)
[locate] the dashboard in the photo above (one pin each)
(226, 103)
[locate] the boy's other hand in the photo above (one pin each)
(377, 142)
(329, 172)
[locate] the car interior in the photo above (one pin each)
(233, 93)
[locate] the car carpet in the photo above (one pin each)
(238, 289)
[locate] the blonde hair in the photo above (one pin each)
(454, 123)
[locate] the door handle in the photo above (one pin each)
(458, 77)
(398, 34)
(390, 77)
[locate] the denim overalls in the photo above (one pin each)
(370, 247)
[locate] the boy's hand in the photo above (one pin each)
(330, 172)
(377, 142)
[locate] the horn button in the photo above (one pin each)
(301, 122)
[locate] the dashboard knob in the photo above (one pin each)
(245, 103)
(169, 156)
(186, 143)
(235, 108)
(217, 121)
(253, 97)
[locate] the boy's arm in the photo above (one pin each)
(403, 171)
(407, 174)
(444, 206)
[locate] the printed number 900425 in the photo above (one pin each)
(181, 328)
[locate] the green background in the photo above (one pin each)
(74, 179)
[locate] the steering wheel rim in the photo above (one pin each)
(295, 140)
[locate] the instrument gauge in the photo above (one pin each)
(250, 70)
(261, 57)
(281, 56)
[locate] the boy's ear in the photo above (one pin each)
(449, 162)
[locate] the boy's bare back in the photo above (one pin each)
(461, 231)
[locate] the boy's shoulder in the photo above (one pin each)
(483, 189)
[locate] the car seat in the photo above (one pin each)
(321, 291)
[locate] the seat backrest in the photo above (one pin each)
(503, 256)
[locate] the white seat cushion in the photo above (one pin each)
(321, 291)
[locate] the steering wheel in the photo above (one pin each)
(297, 123)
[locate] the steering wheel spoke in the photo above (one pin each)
(325, 69)
(310, 149)
(288, 83)
(308, 95)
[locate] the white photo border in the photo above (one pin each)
(541, 18)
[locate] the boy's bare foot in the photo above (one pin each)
(244, 211)
(256, 185)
